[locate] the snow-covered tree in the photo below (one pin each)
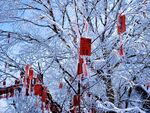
(46, 34)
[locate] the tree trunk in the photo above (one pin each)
(109, 90)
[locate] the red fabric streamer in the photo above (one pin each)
(86, 25)
(85, 69)
(79, 70)
(121, 51)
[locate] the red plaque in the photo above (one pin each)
(121, 27)
(85, 46)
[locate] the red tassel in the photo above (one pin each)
(121, 27)
(85, 69)
(86, 25)
(79, 70)
(121, 52)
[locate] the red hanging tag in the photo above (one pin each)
(31, 72)
(121, 51)
(38, 89)
(85, 46)
(60, 85)
(76, 100)
(121, 27)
